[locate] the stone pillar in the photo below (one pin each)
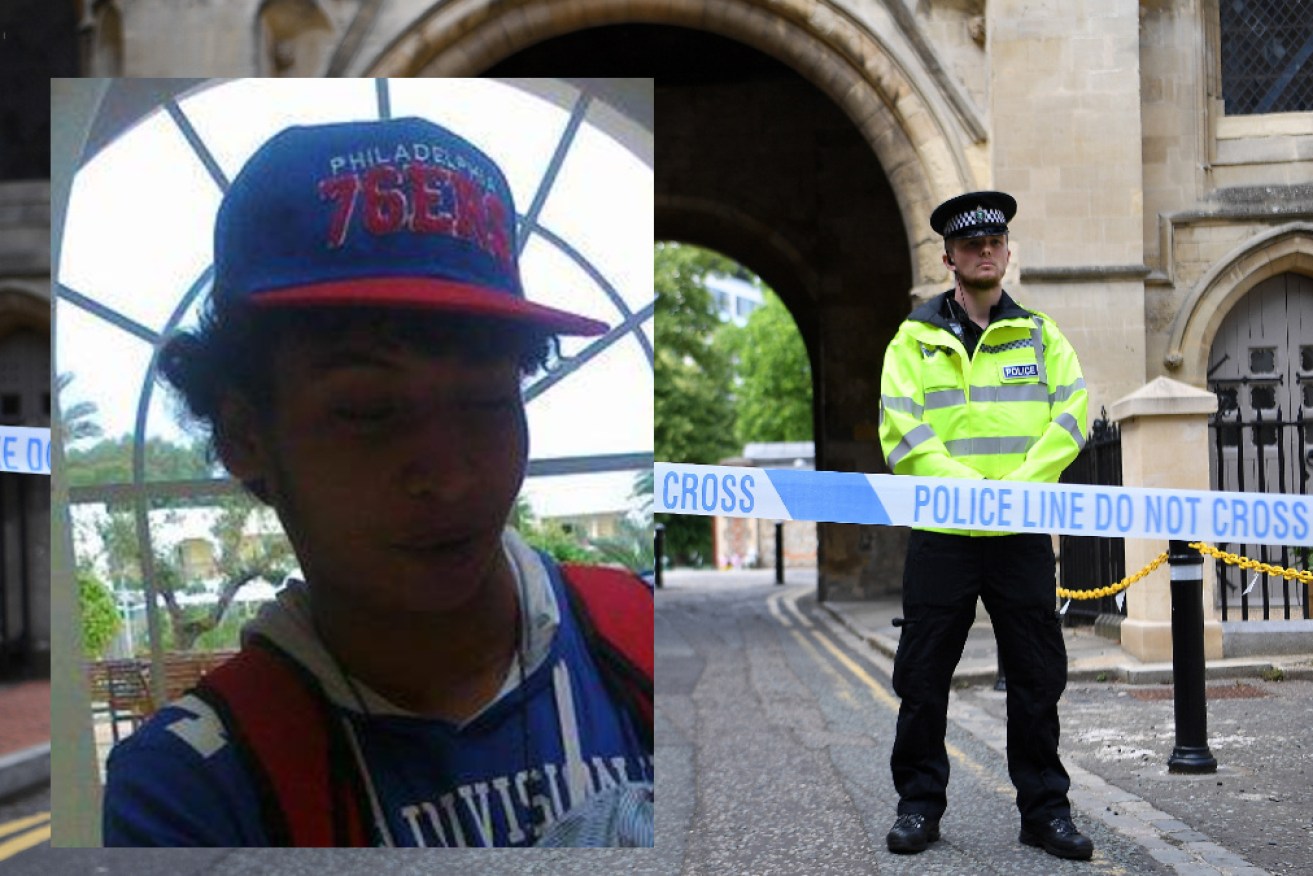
(1164, 428)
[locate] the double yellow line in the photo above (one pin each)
(23, 834)
(809, 632)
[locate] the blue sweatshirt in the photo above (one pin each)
(500, 778)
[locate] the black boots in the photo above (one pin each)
(1058, 837)
(912, 833)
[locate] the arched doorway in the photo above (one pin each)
(756, 161)
(24, 501)
(1261, 367)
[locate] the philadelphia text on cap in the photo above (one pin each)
(434, 195)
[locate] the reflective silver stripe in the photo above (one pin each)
(1037, 333)
(901, 403)
(1068, 422)
(1062, 393)
(989, 446)
(917, 436)
(1018, 392)
(944, 398)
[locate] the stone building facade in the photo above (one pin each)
(38, 44)
(810, 139)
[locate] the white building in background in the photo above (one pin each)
(749, 543)
(735, 298)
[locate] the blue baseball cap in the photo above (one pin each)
(392, 213)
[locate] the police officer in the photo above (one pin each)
(976, 386)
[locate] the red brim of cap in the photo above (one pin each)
(425, 293)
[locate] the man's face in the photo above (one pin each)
(392, 470)
(979, 262)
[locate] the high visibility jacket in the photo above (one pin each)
(1013, 411)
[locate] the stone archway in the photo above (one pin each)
(1195, 327)
(908, 111)
(848, 267)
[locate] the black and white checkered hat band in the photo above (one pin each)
(973, 218)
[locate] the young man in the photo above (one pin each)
(359, 367)
(976, 386)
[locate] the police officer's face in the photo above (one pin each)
(979, 262)
(392, 470)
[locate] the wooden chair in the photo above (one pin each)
(183, 669)
(128, 692)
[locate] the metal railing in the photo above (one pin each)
(19, 540)
(1265, 455)
(1090, 563)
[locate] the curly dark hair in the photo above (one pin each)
(232, 349)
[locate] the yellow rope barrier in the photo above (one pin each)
(1231, 559)
(1256, 565)
(1111, 589)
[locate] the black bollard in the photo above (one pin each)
(779, 552)
(660, 550)
(1191, 754)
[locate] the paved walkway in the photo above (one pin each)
(1090, 657)
(1249, 817)
(24, 715)
(24, 735)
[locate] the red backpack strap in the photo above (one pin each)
(615, 610)
(293, 745)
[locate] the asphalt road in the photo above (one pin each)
(773, 737)
(24, 830)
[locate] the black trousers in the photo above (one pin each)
(1014, 576)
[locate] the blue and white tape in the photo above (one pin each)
(998, 506)
(24, 449)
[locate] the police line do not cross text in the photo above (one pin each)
(983, 505)
(25, 450)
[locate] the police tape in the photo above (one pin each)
(24, 449)
(992, 506)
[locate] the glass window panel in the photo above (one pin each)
(580, 495)
(107, 364)
(1267, 435)
(1308, 394)
(236, 118)
(604, 407)
(602, 204)
(1227, 400)
(552, 278)
(1230, 434)
(1306, 358)
(176, 450)
(1263, 397)
(518, 130)
(1262, 360)
(140, 223)
(148, 265)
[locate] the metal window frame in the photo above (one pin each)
(142, 493)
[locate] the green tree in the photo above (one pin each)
(100, 617)
(774, 395)
(240, 558)
(559, 542)
(693, 407)
(75, 421)
(110, 462)
(631, 546)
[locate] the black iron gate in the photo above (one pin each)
(1263, 455)
(1089, 563)
(16, 571)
